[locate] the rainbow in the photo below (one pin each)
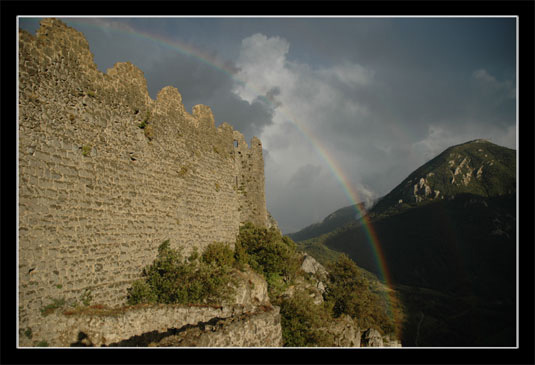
(322, 152)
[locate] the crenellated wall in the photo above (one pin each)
(106, 174)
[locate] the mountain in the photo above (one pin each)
(331, 222)
(447, 234)
(477, 167)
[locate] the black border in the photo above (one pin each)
(524, 354)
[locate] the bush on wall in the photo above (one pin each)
(172, 280)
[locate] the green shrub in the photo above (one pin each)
(302, 321)
(141, 292)
(276, 285)
(268, 253)
(218, 253)
(171, 279)
(350, 292)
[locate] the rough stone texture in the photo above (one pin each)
(462, 174)
(311, 266)
(261, 328)
(311, 289)
(138, 326)
(251, 289)
(422, 191)
(346, 332)
(313, 284)
(319, 273)
(272, 223)
(372, 338)
(391, 342)
(98, 193)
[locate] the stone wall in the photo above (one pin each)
(258, 328)
(162, 325)
(106, 174)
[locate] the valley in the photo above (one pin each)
(451, 258)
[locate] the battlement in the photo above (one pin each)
(106, 174)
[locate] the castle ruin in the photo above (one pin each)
(106, 174)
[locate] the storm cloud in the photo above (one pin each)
(339, 103)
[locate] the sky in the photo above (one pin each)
(345, 107)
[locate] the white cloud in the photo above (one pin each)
(436, 141)
(355, 117)
(311, 107)
(484, 76)
(353, 75)
(490, 84)
(262, 67)
(439, 138)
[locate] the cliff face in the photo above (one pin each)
(106, 174)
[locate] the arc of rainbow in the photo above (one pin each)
(321, 150)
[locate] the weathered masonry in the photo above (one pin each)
(106, 174)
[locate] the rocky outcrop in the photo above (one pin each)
(462, 173)
(313, 283)
(372, 338)
(251, 288)
(391, 342)
(475, 167)
(272, 223)
(316, 270)
(311, 266)
(423, 191)
(345, 331)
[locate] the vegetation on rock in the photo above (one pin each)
(303, 322)
(451, 255)
(270, 254)
(207, 279)
(477, 167)
(350, 292)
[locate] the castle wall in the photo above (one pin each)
(164, 325)
(97, 193)
(250, 180)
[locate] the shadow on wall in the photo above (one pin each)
(145, 339)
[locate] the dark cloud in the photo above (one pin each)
(202, 83)
(305, 176)
(375, 97)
